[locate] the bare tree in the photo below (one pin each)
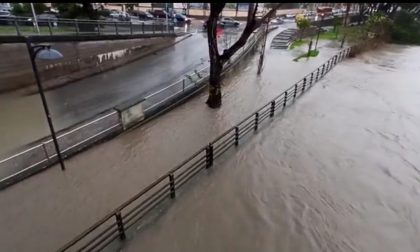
(218, 60)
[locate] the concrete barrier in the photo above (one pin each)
(131, 112)
(42, 154)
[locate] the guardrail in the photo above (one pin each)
(23, 26)
(192, 80)
(117, 223)
(42, 154)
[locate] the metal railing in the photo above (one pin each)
(42, 154)
(24, 26)
(191, 81)
(117, 223)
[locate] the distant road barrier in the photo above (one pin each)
(120, 221)
(24, 26)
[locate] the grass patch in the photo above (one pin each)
(298, 43)
(312, 53)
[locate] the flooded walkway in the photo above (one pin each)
(339, 171)
(47, 210)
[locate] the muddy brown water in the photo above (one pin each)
(339, 171)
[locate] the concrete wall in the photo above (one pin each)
(81, 59)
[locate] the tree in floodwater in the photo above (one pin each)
(218, 60)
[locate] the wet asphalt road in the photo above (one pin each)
(23, 119)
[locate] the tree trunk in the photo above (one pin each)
(215, 90)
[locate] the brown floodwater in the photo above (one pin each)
(339, 171)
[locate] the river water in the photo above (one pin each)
(292, 187)
(339, 171)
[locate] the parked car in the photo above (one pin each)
(179, 18)
(206, 22)
(227, 21)
(290, 15)
(277, 21)
(6, 18)
(43, 20)
(143, 15)
(160, 14)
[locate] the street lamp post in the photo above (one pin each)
(319, 31)
(45, 52)
(167, 24)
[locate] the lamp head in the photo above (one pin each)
(47, 53)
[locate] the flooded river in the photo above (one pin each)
(339, 171)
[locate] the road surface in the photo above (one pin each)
(23, 119)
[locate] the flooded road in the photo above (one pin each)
(339, 171)
(52, 207)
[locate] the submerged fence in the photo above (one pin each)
(117, 223)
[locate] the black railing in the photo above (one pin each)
(115, 224)
(23, 26)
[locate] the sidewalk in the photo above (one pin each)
(49, 209)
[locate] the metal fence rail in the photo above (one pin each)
(192, 80)
(117, 223)
(24, 26)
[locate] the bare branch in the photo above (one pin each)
(251, 26)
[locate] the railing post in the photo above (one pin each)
(285, 99)
(120, 225)
(209, 156)
(303, 85)
(49, 27)
(317, 75)
(99, 28)
(116, 28)
(172, 185)
(294, 94)
(142, 27)
(183, 85)
(131, 28)
(153, 27)
(76, 26)
(335, 59)
(272, 108)
(236, 136)
(256, 121)
(17, 27)
(312, 78)
(322, 72)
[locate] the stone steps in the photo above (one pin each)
(283, 39)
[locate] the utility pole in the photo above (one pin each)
(167, 23)
(34, 17)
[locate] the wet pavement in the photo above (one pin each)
(23, 119)
(49, 209)
(339, 171)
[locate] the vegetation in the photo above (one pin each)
(298, 43)
(405, 29)
(26, 10)
(77, 10)
(312, 53)
(302, 24)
